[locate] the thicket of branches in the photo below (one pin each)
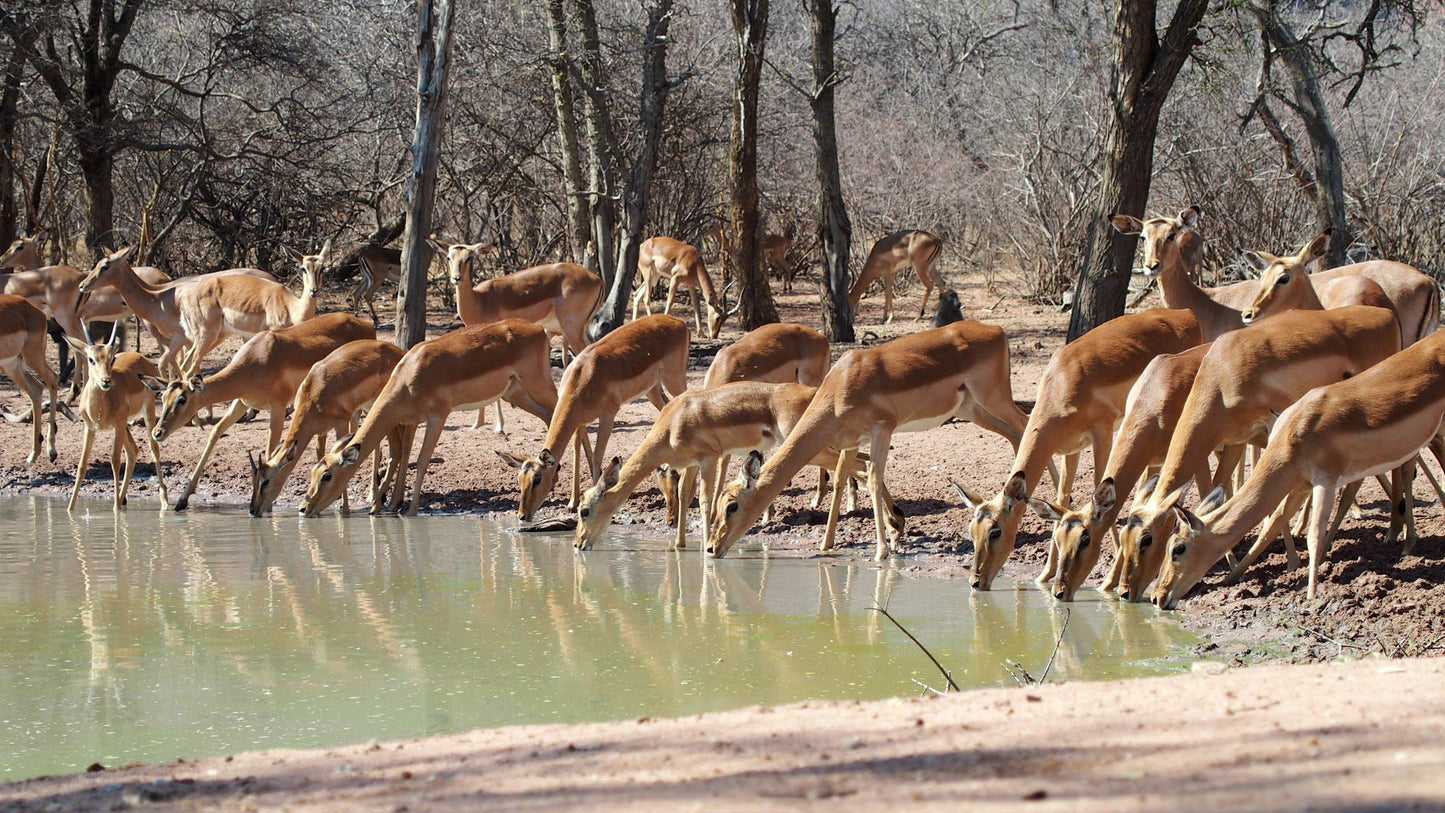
(241, 126)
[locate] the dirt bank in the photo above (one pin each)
(1368, 735)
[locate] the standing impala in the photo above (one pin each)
(329, 399)
(1367, 425)
(376, 266)
(910, 384)
(1173, 249)
(644, 357)
(1081, 398)
(663, 259)
(114, 393)
(1285, 284)
(22, 345)
(1244, 382)
(264, 374)
(891, 254)
(464, 369)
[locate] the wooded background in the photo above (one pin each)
(214, 133)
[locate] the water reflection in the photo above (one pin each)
(148, 637)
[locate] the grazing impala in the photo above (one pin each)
(329, 399)
(22, 345)
(463, 369)
(694, 434)
(1245, 380)
(1173, 249)
(891, 254)
(1081, 398)
(264, 374)
(663, 259)
(1372, 423)
(1150, 414)
(376, 266)
(644, 357)
(910, 384)
(114, 393)
(779, 353)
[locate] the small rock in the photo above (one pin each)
(1036, 796)
(94, 767)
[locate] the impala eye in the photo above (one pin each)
(1283, 279)
(326, 477)
(995, 535)
(1146, 540)
(732, 508)
(536, 481)
(1178, 550)
(1084, 539)
(585, 513)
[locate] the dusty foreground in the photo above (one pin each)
(1367, 735)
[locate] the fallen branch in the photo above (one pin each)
(946, 676)
(1065, 628)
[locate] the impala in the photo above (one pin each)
(644, 357)
(1081, 398)
(1173, 249)
(694, 433)
(1285, 285)
(464, 369)
(1372, 423)
(24, 252)
(114, 393)
(264, 374)
(328, 399)
(891, 254)
(663, 259)
(22, 346)
(1245, 380)
(376, 266)
(779, 353)
(910, 384)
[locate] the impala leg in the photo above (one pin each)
(1347, 499)
(237, 409)
(822, 492)
(434, 426)
(1406, 475)
(132, 455)
(15, 371)
(149, 416)
(398, 441)
(1065, 496)
(1324, 499)
(637, 297)
(85, 447)
(710, 469)
(401, 461)
(927, 289)
(840, 475)
(671, 296)
(1434, 483)
(878, 453)
(577, 460)
(888, 299)
(686, 491)
(1278, 522)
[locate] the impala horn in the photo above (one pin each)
(736, 307)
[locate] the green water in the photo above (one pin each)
(152, 637)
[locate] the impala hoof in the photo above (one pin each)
(183, 503)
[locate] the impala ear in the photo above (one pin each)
(1014, 491)
(341, 443)
(1187, 518)
(753, 468)
(1316, 248)
(125, 252)
(438, 246)
(1147, 490)
(1046, 509)
(251, 458)
(152, 383)
(351, 454)
(1257, 260)
(547, 459)
(80, 347)
(611, 474)
(1104, 497)
(971, 500)
(512, 460)
(1190, 217)
(290, 453)
(196, 384)
(1212, 501)
(1125, 224)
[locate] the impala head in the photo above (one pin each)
(23, 251)
(535, 477)
(98, 358)
(1193, 549)
(994, 527)
(727, 527)
(718, 312)
(460, 257)
(1142, 538)
(1078, 537)
(180, 402)
(330, 475)
(1167, 240)
(1282, 279)
(268, 475)
(595, 509)
(311, 264)
(107, 269)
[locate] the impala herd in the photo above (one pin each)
(1337, 376)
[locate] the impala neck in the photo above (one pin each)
(653, 452)
(1267, 487)
(817, 430)
(139, 296)
(704, 282)
(469, 300)
(1190, 446)
(567, 420)
(1177, 287)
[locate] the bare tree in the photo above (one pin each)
(1145, 66)
(750, 24)
(433, 47)
(601, 144)
(636, 194)
(835, 231)
(9, 115)
(578, 227)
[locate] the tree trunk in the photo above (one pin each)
(750, 24)
(1309, 103)
(835, 231)
(601, 143)
(433, 47)
(9, 108)
(1144, 69)
(637, 192)
(577, 215)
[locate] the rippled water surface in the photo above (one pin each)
(150, 637)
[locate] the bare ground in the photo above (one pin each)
(1373, 601)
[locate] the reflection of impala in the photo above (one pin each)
(1334, 436)
(910, 384)
(1245, 380)
(904, 249)
(663, 259)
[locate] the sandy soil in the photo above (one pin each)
(1373, 601)
(1367, 735)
